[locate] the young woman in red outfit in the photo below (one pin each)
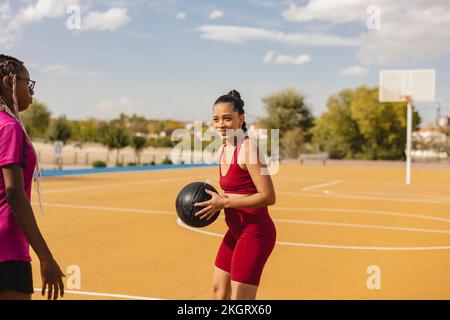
(248, 192)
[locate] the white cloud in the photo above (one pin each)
(286, 59)
(42, 9)
(268, 58)
(181, 15)
(11, 24)
(216, 14)
(62, 70)
(333, 11)
(273, 57)
(354, 10)
(419, 35)
(110, 20)
(410, 31)
(237, 34)
(354, 71)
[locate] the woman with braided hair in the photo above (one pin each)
(248, 191)
(18, 227)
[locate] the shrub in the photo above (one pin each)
(99, 164)
(167, 161)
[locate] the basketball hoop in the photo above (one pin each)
(402, 86)
(407, 98)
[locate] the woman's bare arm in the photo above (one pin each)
(22, 211)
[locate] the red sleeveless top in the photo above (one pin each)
(237, 180)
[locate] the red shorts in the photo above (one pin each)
(247, 245)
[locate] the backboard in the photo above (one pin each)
(419, 85)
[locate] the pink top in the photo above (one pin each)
(14, 149)
(236, 180)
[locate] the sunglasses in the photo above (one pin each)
(31, 83)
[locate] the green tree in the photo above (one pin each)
(357, 125)
(138, 124)
(383, 125)
(59, 130)
(293, 143)
(138, 143)
(114, 136)
(161, 142)
(36, 119)
(336, 132)
(171, 125)
(155, 126)
(90, 130)
(75, 130)
(287, 110)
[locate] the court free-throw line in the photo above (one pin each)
(116, 185)
(376, 212)
(106, 295)
(324, 246)
(363, 226)
(278, 242)
(325, 223)
(324, 194)
(332, 183)
(349, 196)
(55, 205)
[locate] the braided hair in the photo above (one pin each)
(10, 66)
(234, 98)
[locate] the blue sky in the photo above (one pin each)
(172, 59)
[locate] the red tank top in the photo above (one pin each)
(236, 180)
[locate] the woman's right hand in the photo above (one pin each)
(52, 278)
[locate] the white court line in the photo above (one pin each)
(101, 186)
(326, 246)
(325, 223)
(364, 226)
(327, 194)
(406, 195)
(376, 212)
(107, 295)
(359, 182)
(349, 196)
(56, 205)
(321, 185)
(414, 185)
(278, 242)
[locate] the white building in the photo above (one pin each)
(444, 122)
(430, 134)
(433, 137)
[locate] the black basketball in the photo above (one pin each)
(190, 194)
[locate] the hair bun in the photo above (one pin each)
(234, 93)
(237, 95)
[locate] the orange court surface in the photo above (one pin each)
(335, 225)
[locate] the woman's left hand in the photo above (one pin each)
(214, 205)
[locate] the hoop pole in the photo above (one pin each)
(408, 142)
